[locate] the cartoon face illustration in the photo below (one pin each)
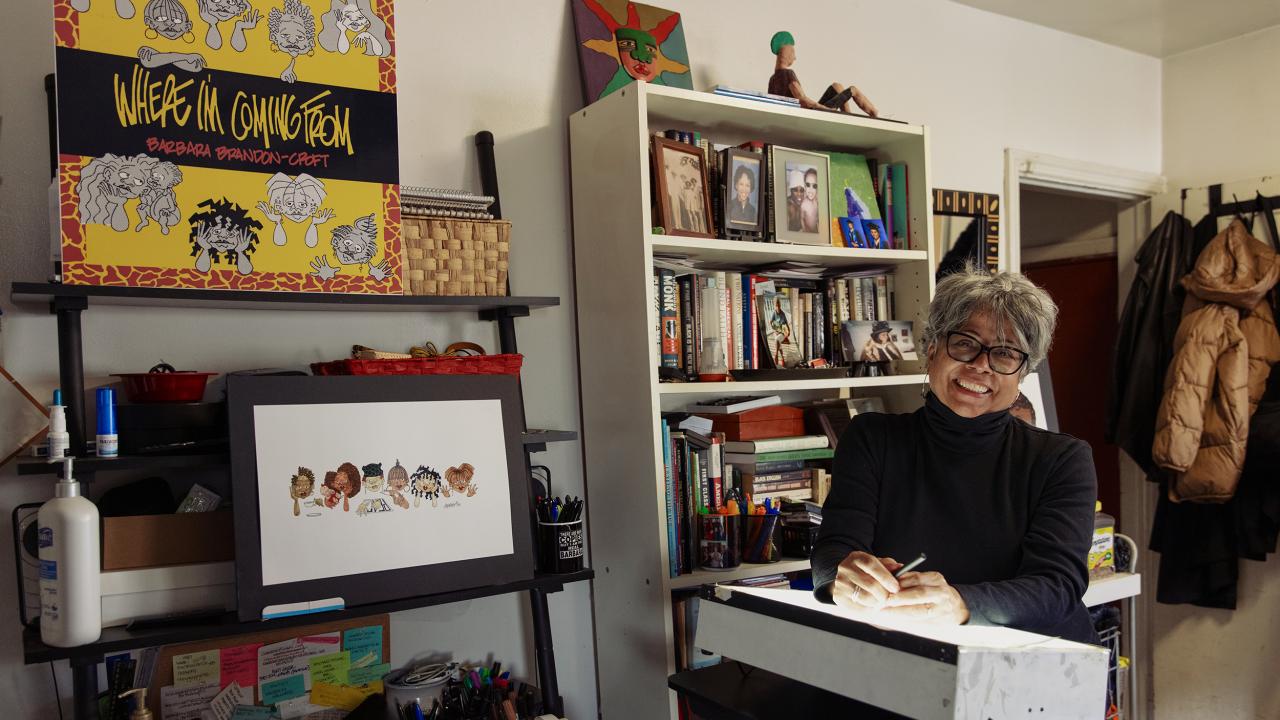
(293, 30)
(301, 486)
(223, 229)
(459, 479)
(222, 10)
(373, 480)
(295, 198)
(221, 237)
(350, 18)
(166, 18)
(356, 244)
(637, 50)
(132, 176)
(164, 176)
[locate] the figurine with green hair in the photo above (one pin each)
(785, 83)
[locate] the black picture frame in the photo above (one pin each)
(982, 244)
(735, 158)
(244, 393)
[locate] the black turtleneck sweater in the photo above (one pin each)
(1003, 510)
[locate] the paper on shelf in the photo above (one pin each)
(225, 702)
(185, 702)
(336, 696)
(252, 712)
(371, 673)
(293, 657)
(286, 688)
(198, 668)
(297, 707)
(331, 668)
(239, 665)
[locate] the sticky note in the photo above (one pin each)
(330, 668)
(186, 702)
(252, 712)
(296, 708)
(239, 665)
(283, 689)
(336, 696)
(364, 644)
(224, 704)
(372, 673)
(200, 668)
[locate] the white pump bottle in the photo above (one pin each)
(70, 566)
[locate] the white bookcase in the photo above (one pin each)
(621, 395)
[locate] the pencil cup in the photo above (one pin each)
(758, 542)
(719, 541)
(560, 547)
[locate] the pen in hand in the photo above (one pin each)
(909, 566)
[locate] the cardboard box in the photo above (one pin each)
(148, 541)
(131, 594)
(766, 422)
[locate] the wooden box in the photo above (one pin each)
(766, 422)
(147, 541)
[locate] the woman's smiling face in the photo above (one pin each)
(972, 388)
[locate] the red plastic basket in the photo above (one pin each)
(508, 364)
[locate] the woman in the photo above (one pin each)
(880, 347)
(742, 211)
(1004, 511)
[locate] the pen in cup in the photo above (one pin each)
(909, 566)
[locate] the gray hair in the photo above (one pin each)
(1010, 298)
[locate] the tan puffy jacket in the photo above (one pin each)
(1222, 354)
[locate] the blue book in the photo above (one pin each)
(669, 481)
(748, 328)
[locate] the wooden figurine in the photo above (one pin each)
(784, 82)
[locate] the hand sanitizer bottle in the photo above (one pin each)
(70, 579)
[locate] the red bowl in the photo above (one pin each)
(182, 386)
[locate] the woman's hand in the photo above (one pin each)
(927, 596)
(864, 581)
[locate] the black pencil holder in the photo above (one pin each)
(758, 543)
(560, 547)
(719, 541)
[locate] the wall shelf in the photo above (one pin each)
(732, 388)
(740, 254)
(742, 572)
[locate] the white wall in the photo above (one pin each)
(1220, 111)
(982, 82)
(1220, 126)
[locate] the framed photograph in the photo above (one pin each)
(354, 490)
(801, 197)
(878, 340)
(776, 328)
(875, 236)
(743, 210)
(851, 232)
(1035, 404)
(684, 205)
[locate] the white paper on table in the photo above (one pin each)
(225, 702)
(185, 702)
(293, 657)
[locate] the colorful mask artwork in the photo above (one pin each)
(341, 485)
(190, 131)
(623, 42)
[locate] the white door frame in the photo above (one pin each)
(1022, 167)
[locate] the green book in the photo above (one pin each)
(756, 458)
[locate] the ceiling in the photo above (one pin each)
(1159, 28)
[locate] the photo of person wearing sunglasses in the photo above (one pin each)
(802, 198)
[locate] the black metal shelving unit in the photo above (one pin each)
(68, 303)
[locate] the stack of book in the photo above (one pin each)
(417, 201)
(776, 468)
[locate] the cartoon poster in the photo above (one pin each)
(620, 42)
(348, 489)
(230, 144)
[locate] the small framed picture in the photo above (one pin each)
(875, 236)
(684, 204)
(878, 340)
(851, 231)
(743, 210)
(801, 197)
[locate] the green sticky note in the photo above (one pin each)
(364, 644)
(285, 688)
(254, 712)
(200, 668)
(331, 668)
(362, 675)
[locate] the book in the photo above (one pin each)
(755, 95)
(688, 354)
(901, 233)
(798, 494)
(747, 459)
(773, 445)
(668, 479)
(657, 313)
(882, 298)
(769, 467)
(670, 314)
(735, 404)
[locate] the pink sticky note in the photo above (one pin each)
(240, 665)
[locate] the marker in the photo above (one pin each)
(909, 566)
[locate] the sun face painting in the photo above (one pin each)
(623, 42)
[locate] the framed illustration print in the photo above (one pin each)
(743, 209)
(683, 202)
(801, 197)
(354, 490)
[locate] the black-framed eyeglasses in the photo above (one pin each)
(963, 347)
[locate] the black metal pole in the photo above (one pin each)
(488, 170)
(71, 367)
(545, 653)
(51, 97)
(84, 687)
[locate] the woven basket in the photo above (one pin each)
(455, 257)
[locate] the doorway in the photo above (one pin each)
(1068, 247)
